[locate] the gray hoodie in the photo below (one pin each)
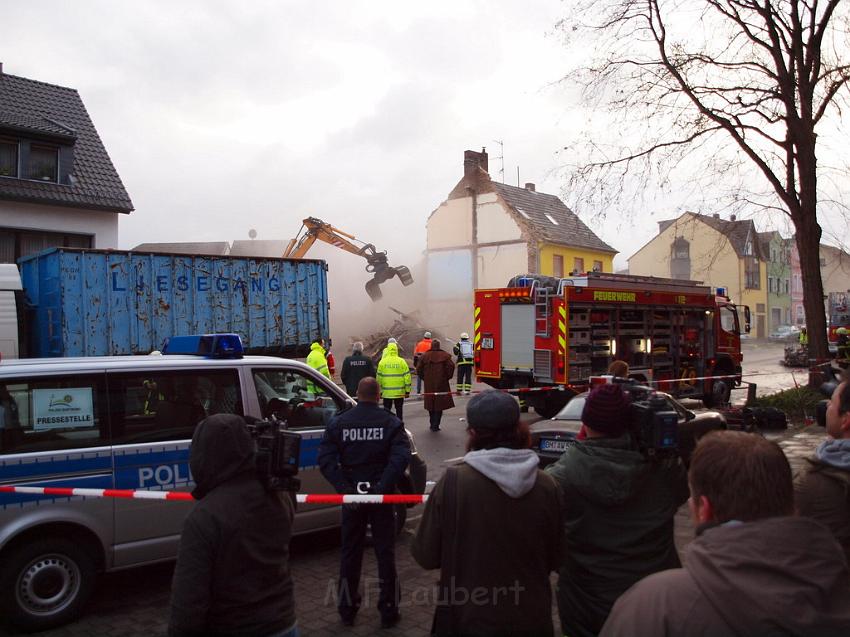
(513, 470)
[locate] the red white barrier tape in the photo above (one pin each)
(301, 498)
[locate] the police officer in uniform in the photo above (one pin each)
(366, 450)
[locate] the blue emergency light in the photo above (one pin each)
(721, 292)
(208, 345)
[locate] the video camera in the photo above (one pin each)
(652, 424)
(830, 385)
(278, 450)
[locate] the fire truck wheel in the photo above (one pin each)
(720, 394)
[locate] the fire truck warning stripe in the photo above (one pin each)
(302, 498)
(562, 310)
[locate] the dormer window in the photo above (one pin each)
(8, 158)
(44, 163)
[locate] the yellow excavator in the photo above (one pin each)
(313, 229)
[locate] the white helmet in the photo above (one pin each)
(464, 335)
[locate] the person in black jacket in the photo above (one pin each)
(365, 450)
(232, 575)
(355, 368)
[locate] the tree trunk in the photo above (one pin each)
(808, 230)
(808, 245)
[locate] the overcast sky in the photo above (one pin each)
(223, 116)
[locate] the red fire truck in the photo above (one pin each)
(547, 332)
(838, 313)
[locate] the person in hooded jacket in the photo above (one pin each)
(436, 368)
(823, 488)
(316, 359)
(754, 568)
(232, 575)
(493, 526)
(619, 508)
(394, 380)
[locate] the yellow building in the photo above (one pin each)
(487, 232)
(718, 252)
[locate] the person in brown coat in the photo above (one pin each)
(436, 369)
(823, 488)
(754, 568)
(493, 527)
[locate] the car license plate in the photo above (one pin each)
(555, 445)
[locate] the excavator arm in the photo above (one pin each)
(314, 230)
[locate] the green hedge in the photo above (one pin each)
(796, 403)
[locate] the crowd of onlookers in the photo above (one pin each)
(770, 555)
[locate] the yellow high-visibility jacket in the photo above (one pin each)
(393, 374)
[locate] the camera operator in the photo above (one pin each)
(365, 450)
(232, 575)
(618, 506)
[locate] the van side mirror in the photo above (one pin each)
(747, 319)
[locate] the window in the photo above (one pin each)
(787, 286)
(8, 158)
(15, 243)
(578, 265)
(44, 163)
(551, 218)
(292, 396)
(523, 213)
(557, 266)
(680, 259)
(167, 405)
(728, 319)
(770, 284)
(597, 266)
(54, 413)
(752, 274)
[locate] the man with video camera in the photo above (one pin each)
(619, 501)
(232, 575)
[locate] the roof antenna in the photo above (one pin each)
(501, 158)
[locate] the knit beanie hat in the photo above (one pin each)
(492, 410)
(606, 410)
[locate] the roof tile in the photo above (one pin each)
(538, 207)
(56, 110)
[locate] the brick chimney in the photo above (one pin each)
(472, 161)
(530, 187)
(732, 218)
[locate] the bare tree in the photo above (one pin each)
(737, 89)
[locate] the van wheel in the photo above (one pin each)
(45, 583)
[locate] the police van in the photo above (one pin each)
(126, 422)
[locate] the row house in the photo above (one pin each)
(487, 232)
(777, 252)
(719, 252)
(834, 272)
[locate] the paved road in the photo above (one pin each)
(136, 602)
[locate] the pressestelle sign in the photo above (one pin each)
(62, 408)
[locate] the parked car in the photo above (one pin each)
(785, 333)
(550, 438)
